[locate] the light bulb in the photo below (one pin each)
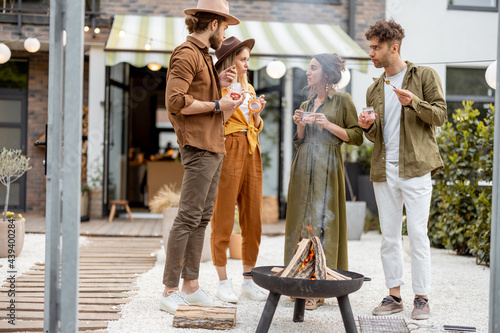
(4, 53)
(276, 69)
(32, 45)
(344, 80)
(491, 75)
(154, 66)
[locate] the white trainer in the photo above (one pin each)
(225, 292)
(199, 297)
(172, 301)
(252, 291)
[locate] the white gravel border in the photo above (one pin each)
(460, 293)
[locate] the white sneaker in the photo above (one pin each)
(172, 301)
(226, 293)
(199, 297)
(252, 291)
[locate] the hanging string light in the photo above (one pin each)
(344, 81)
(32, 44)
(491, 75)
(154, 66)
(276, 69)
(4, 53)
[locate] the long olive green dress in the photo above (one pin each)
(316, 193)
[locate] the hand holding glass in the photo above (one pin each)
(369, 113)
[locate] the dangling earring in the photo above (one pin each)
(326, 89)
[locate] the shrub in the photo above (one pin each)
(460, 216)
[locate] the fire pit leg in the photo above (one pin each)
(298, 310)
(347, 316)
(268, 312)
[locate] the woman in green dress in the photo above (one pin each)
(316, 192)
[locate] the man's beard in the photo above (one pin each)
(215, 41)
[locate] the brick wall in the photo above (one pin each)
(37, 118)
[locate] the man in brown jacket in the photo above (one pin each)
(198, 113)
(409, 103)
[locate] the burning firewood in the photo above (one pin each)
(301, 253)
(309, 262)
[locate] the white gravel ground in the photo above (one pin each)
(459, 297)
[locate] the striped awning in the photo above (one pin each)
(140, 40)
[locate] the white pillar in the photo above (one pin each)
(288, 110)
(97, 80)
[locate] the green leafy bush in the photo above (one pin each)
(461, 208)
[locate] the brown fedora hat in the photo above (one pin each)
(229, 45)
(220, 7)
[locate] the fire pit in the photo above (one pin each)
(303, 289)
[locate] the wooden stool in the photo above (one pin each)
(115, 203)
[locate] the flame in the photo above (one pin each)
(309, 258)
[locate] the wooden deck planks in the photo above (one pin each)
(108, 270)
(145, 227)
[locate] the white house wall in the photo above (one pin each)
(439, 37)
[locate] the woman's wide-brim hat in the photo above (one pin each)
(229, 45)
(219, 7)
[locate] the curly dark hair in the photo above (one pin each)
(199, 21)
(386, 31)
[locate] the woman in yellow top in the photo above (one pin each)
(240, 179)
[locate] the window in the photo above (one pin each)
(480, 5)
(14, 74)
(468, 84)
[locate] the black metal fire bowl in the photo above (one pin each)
(303, 288)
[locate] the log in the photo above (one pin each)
(320, 259)
(307, 271)
(300, 255)
(336, 275)
(212, 318)
(277, 270)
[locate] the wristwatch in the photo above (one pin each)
(217, 107)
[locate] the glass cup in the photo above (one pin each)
(235, 90)
(255, 104)
(368, 112)
(308, 117)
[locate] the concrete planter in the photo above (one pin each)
(169, 215)
(355, 213)
(11, 238)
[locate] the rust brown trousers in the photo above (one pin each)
(240, 183)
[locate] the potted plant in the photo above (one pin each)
(166, 202)
(13, 164)
(95, 189)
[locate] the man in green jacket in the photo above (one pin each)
(409, 104)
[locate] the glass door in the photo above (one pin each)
(271, 135)
(13, 136)
(116, 134)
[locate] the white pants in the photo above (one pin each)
(416, 194)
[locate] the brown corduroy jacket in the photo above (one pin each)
(191, 76)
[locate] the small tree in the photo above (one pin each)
(12, 166)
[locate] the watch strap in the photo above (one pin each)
(217, 106)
